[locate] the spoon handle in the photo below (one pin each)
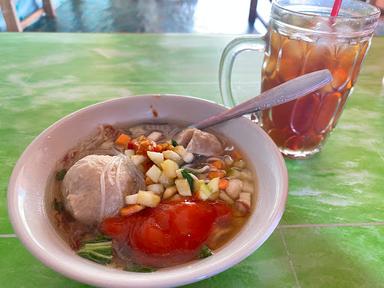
(280, 94)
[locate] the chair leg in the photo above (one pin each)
(48, 8)
(252, 12)
(10, 16)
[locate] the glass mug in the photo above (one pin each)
(303, 38)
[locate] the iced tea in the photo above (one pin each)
(300, 126)
(304, 38)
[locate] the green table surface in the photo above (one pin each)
(332, 232)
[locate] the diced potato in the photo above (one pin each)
(178, 173)
(208, 191)
(245, 198)
(138, 159)
(166, 181)
(196, 183)
(204, 191)
(196, 180)
(234, 188)
(154, 173)
(242, 209)
(214, 185)
(148, 198)
(155, 157)
(246, 174)
(188, 157)
(196, 186)
(131, 199)
(129, 152)
(175, 197)
(248, 187)
(224, 196)
(180, 150)
(169, 168)
(154, 136)
(183, 188)
(156, 188)
(169, 192)
(171, 155)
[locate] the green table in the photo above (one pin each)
(332, 233)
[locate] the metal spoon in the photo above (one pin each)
(280, 94)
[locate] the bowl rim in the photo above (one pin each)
(191, 275)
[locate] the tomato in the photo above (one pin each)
(114, 227)
(131, 145)
(171, 231)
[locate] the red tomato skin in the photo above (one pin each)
(171, 233)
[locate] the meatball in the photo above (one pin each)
(95, 186)
(200, 142)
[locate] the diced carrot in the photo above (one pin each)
(144, 145)
(218, 164)
(148, 181)
(236, 155)
(161, 147)
(223, 183)
(156, 148)
(145, 142)
(131, 209)
(215, 174)
(123, 140)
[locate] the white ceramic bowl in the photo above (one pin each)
(29, 179)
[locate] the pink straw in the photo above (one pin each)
(336, 8)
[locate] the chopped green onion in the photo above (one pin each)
(174, 143)
(98, 239)
(60, 174)
(189, 178)
(98, 250)
(139, 268)
(205, 252)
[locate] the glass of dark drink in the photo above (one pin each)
(303, 38)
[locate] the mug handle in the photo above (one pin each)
(246, 43)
